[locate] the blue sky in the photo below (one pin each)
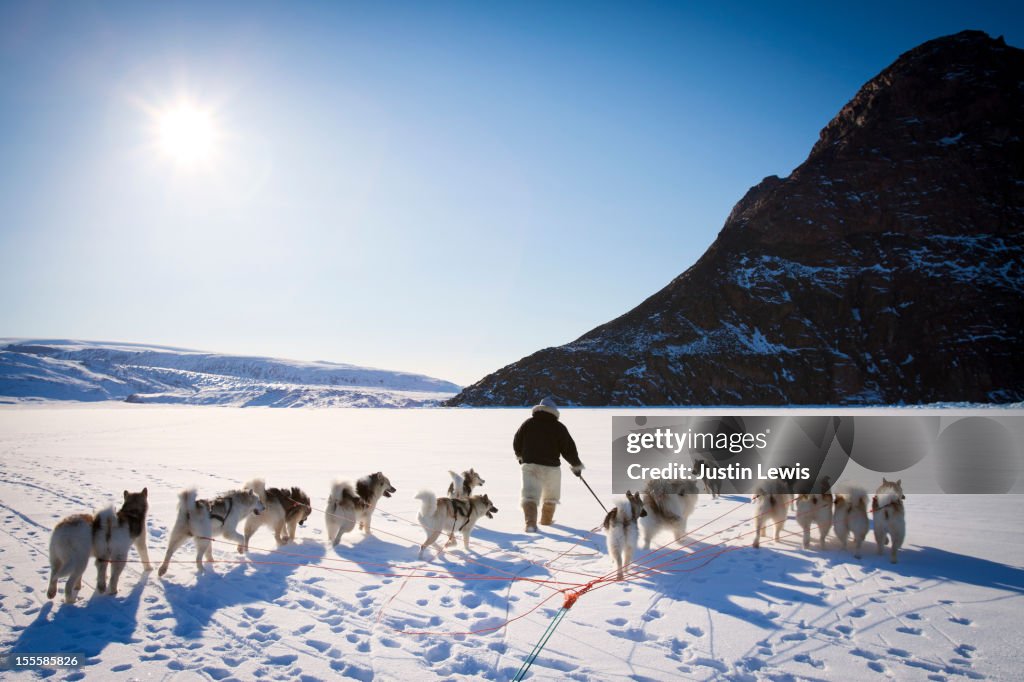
(434, 187)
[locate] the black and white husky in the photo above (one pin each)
(621, 527)
(352, 503)
(773, 500)
(108, 536)
(668, 503)
(889, 516)
(850, 518)
(284, 510)
(202, 520)
(462, 485)
(815, 508)
(451, 514)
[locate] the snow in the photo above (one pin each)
(32, 370)
(721, 610)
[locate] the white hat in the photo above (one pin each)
(546, 405)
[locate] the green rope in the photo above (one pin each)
(540, 644)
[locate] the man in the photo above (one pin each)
(539, 444)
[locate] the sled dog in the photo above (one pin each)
(773, 502)
(668, 504)
(889, 516)
(462, 484)
(621, 528)
(451, 514)
(350, 503)
(285, 509)
(711, 485)
(815, 508)
(107, 536)
(202, 520)
(850, 517)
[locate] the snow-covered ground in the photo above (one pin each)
(718, 609)
(49, 370)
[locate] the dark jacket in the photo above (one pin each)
(542, 439)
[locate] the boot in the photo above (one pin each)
(547, 514)
(530, 512)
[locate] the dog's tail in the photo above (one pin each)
(103, 525)
(339, 491)
(258, 486)
(186, 501)
(429, 502)
(457, 483)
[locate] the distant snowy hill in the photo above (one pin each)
(95, 371)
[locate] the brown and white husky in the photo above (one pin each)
(850, 518)
(285, 510)
(352, 503)
(462, 485)
(108, 536)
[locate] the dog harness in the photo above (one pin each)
(221, 500)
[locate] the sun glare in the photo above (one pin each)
(186, 134)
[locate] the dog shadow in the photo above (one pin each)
(932, 563)
(370, 553)
(262, 579)
(502, 539)
(84, 628)
(485, 579)
(726, 579)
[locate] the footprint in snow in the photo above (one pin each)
(794, 637)
(618, 622)
(813, 662)
(857, 613)
(960, 621)
(909, 630)
(864, 653)
(965, 650)
(695, 631)
(913, 616)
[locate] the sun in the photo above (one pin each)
(187, 134)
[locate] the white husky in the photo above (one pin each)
(450, 514)
(668, 504)
(621, 529)
(850, 517)
(773, 502)
(889, 516)
(201, 520)
(815, 508)
(70, 549)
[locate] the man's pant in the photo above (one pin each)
(541, 483)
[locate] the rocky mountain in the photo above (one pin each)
(887, 268)
(32, 370)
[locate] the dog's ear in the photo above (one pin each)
(899, 482)
(125, 495)
(145, 493)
